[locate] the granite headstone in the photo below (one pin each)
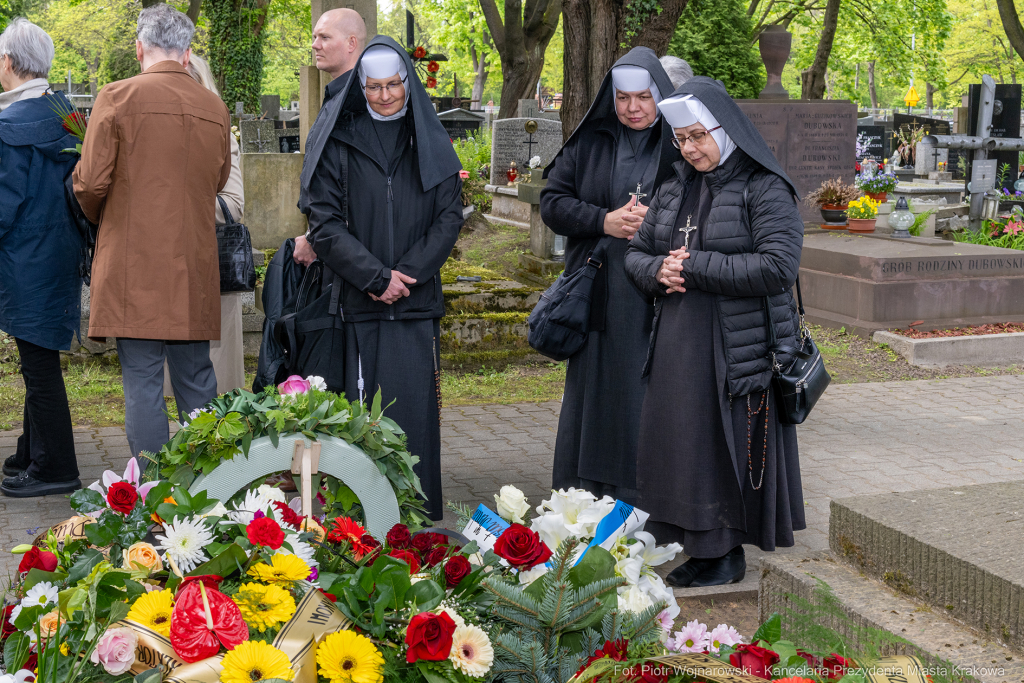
(529, 109)
(259, 136)
(1005, 124)
(871, 140)
(814, 140)
(510, 142)
(461, 123)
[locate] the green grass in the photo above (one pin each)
(514, 384)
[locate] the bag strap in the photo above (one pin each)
(228, 218)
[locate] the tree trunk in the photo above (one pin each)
(594, 32)
(520, 40)
(193, 10)
(813, 79)
(1012, 25)
(929, 96)
(872, 92)
(150, 3)
(480, 67)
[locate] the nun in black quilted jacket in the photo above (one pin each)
(720, 243)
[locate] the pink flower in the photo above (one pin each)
(132, 475)
(464, 174)
(293, 385)
(116, 650)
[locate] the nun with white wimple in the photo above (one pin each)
(591, 198)
(381, 189)
(720, 244)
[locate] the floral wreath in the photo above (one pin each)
(426, 65)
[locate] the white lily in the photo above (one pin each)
(653, 556)
(551, 528)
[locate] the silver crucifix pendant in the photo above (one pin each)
(638, 195)
(688, 229)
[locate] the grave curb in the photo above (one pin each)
(982, 349)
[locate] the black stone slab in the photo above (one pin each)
(1005, 122)
(814, 140)
(875, 143)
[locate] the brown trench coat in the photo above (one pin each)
(156, 154)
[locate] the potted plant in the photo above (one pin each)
(862, 214)
(831, 198)
(878, 186)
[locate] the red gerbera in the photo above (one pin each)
(345, 530)
(288, 516)
(420, 52)
(433, 67)
(616, 649)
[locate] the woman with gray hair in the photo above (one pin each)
(40, 252)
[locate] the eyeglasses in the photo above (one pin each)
(376, 89)
(697, 138)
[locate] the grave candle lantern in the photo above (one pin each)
(901, 219)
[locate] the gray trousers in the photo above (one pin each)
(142, 371)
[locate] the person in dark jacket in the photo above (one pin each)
(382, 194)
(40, 252)
(616, 156)
(721, 240)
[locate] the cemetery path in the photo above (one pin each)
(861, 439)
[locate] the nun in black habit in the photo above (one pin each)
(592, 198)
(380, 185)
(716, 469)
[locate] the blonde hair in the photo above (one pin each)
(200, 71)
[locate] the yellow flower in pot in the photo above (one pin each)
(862, 213)
(831, 198)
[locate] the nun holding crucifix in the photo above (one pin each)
(596, 195)
(721, 240)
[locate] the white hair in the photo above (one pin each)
(29, 47)
(678, 70)
(161, 26)
(199, 70)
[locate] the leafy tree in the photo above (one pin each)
(520, 34)
(714, 37)
(289, 36)
(236, 42)
(119, 61)
(460, 30)
(79, 31)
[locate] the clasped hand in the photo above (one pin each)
(396, 288)
(624, 221)
(671, 272)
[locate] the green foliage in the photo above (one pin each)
(232, 421)
(118, 61)
(474, 152)
(714, 37)
(994, 234)
(638, 13)
(289, 35)
(236, 41)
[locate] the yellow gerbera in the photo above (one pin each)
(264, 607)
(283, 568)
(252, 660)
(153, 610)
(347, 657)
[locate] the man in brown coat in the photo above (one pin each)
(155, 156)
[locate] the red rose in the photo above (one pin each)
(37, 559)
(420, 52)
(433, 67)
(521, 547)
(7, 628)
(265, 531)
(32, 662)
(289, 516)
(435, 556)
(431, 82)
(422, 542)
(429, 637)
(836, 666)
(121, 497)
(407, 556)
(399, 536)
(756, 661)
(811, 660)
(456, 569)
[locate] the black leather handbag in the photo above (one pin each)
(234, 250)
(560, 322)
(86, 229)
(798, 387)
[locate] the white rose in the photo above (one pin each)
(530, 575)
(272, 493)
(317, 382)
(512, 505)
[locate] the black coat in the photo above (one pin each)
(280, 290)
(750, 252)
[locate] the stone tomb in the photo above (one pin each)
(813, 141)
(264, 136)
(461, 123)
(510, 142)
(867, 283)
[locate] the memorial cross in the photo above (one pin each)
(688, 229)
(260, 142)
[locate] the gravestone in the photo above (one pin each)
(907, 122)
(529, 109)
(510, 142)
(927, 159)
(813, 140)
(270, 106)
(461, 123)
(1005, 124)
(259, 137)
(871, 140)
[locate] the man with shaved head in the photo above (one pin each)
(338, 39)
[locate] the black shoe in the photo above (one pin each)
(24, 486)
(11, 466)
(683, 575)
(728, 569)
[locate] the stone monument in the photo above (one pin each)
(1005, 124)
(461, 123)
(511, 143)
(530, 109)
(774, 44)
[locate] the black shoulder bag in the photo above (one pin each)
(86, 228)
(799, 386)
(313, 337)
(560, 322)
(234, 252)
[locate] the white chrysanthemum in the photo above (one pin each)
(530, 575)
(317, 382)
(459, 621)
(183, 541)
(39, 595)
(472, 653)
(245, 511)
(272, 493)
